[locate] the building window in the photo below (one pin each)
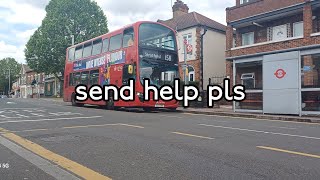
(297, 29)
(188, 37)
(280, 32)
(248, 38)
(245, 1)
(191, 74)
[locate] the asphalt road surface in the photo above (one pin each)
(45, 139)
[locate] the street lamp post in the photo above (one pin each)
(9, 82)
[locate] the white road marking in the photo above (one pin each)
(281, 127)
(264, 132)
(40, 115)
(39, 162)
(254, 119)
(57, 119)
(171, 116)
(11, 103)
(22, 115)
(20, 108)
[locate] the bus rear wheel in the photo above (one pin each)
(74, 101)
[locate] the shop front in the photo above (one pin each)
(280, 83)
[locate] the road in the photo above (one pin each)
(45, 139)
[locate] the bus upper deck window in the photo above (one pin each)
(71, 54)
(128, 37)
(105, 45)
(97, 46)
(78, 54)
(115, 42)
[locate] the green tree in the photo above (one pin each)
(7, 64)
(46, 49)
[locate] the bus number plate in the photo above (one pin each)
(159, 105)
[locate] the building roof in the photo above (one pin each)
(193, 19)
(26, 68)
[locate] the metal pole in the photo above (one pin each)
(185, 63)
(72, 36)
(9, 81)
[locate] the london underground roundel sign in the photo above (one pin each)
(280, 73)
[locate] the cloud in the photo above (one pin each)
(7, 50)
(20, 18)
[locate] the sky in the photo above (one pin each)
(20, 18)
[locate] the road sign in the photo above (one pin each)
(280, 73)
(185, 42)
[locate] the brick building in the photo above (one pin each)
(196, 28)
(276, 55)
(31, 84)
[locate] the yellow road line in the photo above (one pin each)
(256, 119)
(65, 163)
(289, 152)
(3, 131)
(191, 135)
(129, 125)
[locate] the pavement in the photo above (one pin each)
(49, 139)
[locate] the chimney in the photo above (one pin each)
(179, 8)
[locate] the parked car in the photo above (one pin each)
(4, 96)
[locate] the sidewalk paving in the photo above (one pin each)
(228, 112)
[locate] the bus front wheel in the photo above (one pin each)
(110, 104)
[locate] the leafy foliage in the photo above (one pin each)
(46, 49)
(5, 65)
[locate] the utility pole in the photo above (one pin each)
(72, 36)
(185, 62)
(9, 82)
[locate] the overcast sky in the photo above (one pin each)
(20, 18)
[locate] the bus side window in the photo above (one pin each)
(97, 46)
(128, 37)
(87, 50)
(105, 45)
(76, 79)
(115, 42)
(71, 54)
(78, 54)
(94, 77)
(85, 78)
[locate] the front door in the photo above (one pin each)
(281, 83)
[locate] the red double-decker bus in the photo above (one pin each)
(149, 48)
